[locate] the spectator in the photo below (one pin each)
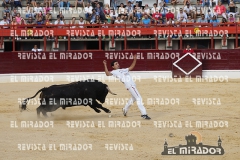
(189, 19)
(170, 22)
(14, 23)
(206, 3)
(114, 4)
(105, 25)
(64, 22)
(18, 18)
(7, 2)
(181, 14)
(22, 26)
(73, 23)
(39, 22)
(155, 8)
(64, 3)
(164, 10)
(47, 9)
(40, 14)
(129, 11)
(33, 2)
(4, 22)
(48, 17)
(27, 9)
(146, 22)
(197, 9)
(106, 9)
(38, 9)
(181, 21)
(139, 2)
(60, 15)
(188, 49)
(123, 17)
(30, 21)
(161, 2)
(48, 3)
(100, 11)
(87, 10)
(135, 22)
(121, 9)
(93, 16)
(209, 16)
(224, 22)
(77, 2)
(95, 2)
(35, 49)
(30, 12)
(118, 21)
(232, 9)
(112, 20)
(220, 10)
(138, 11)
(9, 17)
(130, 1)
(56, 3)
(156, 16)
(4, 4)
(185, 2)
(202, 19)
(188, 9)
(231, 18)
(159, 21)
(47, 23)
(17, 3)
(59, 22)
(146, 10)
(97, 23)
(214, 21)
(14, 12)
(174, 2)
(113, 14)
(169, 15)
(82, 22)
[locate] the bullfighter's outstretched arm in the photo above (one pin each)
(106, 69)
(133, 63)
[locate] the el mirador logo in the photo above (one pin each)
(194, 146)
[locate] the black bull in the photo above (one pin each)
(73, 94)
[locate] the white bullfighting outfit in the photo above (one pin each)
(126, 79)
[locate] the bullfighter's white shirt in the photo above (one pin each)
(124, 76)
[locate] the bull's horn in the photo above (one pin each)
(110, 91)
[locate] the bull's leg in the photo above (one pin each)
(101, 107)
(38, 111)
(44, 113)
(94, 106)
(49, 108)
(41, 109)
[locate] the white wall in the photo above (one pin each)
(78, 76)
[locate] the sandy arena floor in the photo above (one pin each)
(146, 139)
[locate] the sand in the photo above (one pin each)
(143, 136)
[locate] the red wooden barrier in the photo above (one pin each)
(91, 61)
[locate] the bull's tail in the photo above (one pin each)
(23, 106)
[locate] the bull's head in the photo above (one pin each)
(102, 97)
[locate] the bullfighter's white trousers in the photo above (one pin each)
(135, 97)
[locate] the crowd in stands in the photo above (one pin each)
(131, 13)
